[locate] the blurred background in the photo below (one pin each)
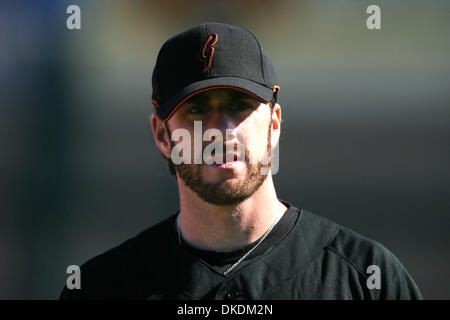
(365, 139)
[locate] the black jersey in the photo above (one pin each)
(305, 257)
(223, 260)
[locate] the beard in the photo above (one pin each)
(223, 193)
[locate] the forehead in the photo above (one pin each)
(219, 95)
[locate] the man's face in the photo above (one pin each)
(248, 143)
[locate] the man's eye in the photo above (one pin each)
(239, 106)
(196, 109)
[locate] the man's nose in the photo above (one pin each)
(220, 120)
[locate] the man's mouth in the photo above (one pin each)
(228, 161)
(229, 158)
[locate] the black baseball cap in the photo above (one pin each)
(211, 56)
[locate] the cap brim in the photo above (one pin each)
(256, 90)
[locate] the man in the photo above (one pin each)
(217, 122)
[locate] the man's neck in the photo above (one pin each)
(224, 228)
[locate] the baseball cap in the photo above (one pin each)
(211, 56)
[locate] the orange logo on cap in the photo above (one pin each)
(207, 51)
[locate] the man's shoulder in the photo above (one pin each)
(358, 249)
(340, 263)
(368, 257)
(148, 240)
(351, 246)
(130, 262)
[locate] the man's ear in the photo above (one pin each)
(161, 135)
(276, 123)
(276, 117)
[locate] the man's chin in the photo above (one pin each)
(222, 187)
(228, 191)
(223, 194)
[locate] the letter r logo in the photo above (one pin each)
(207, 51)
